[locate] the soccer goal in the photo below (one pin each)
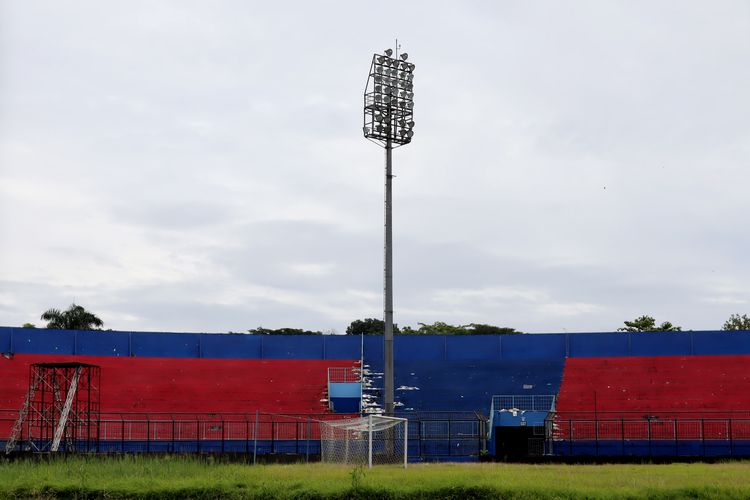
(370, 440)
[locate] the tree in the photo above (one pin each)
(737, 322)
(282, 331)
(369, 326)
(482, 329)
(73, 318)
(28, 325)
(441, 328)
(648, 324)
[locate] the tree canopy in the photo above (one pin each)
(282, 331)
(372, 326)
(441, 328)
(737, 322)
(74, 317)
(648, 324)
(369, 326)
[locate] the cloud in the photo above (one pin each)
(194, 167)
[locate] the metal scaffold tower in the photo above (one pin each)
(62, 402)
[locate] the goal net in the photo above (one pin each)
(370, 440)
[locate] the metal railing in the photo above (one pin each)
(343, 374)
(260, 433)
(524, 402)
(445, 435)
(671, 433)
(432, 435)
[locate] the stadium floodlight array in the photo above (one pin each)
(389, 100)
(371, 440)
(389, 121)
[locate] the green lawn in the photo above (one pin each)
(179, 477)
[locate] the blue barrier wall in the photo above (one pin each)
(411, 348)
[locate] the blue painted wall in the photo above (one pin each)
(408, 348)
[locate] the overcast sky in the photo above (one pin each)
(200, 166)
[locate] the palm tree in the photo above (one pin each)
(73, 318)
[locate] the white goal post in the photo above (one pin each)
(370, 440)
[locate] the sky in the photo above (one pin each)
(200, 166)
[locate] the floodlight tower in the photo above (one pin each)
(389, 122)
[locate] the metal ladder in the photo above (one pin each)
(18, 426)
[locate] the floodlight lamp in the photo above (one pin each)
(378, 79)
(365, 130)
(379, 69)
(388, 52)
(378, 97)
(404, 56)
(378, 88)
(394, 72)
(411, 124)
(379, 128)
(381, 59)
(402, 132)
(387, 99)
(410, 134)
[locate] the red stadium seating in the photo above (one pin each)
(173, 385)
(634, 396)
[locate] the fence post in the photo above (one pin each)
(406, 443)
(198, 434)
(148, 435)
(173, 426)
(223, 435)
(703, 436)
(731, 438)
(273, 435)
(247, 436)
(369, 441)
(450, 448)
(622, 434)
(676, 443)
(122, 434)
(255, 437)
(570, 436)
(596, 434)
(307, 457)
(648, 430)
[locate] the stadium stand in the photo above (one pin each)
(654, 405)
(174, 385)
(682, 393)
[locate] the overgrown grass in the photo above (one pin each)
(185, 477)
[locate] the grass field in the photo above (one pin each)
(180, 477)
